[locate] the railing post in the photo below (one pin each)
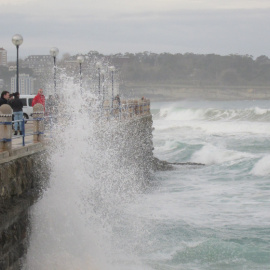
(106, 109)
(124, 108)
(23, 132)
(136, 107)
(5, 128)
(38, 123)
(116, 109)
(140, 102)
(129, 108)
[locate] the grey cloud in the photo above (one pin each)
(221, 32)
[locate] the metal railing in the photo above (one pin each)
(23, 131)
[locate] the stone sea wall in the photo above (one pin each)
(22, 178)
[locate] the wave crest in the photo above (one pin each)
(215, 114)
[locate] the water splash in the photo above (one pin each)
(79, 222)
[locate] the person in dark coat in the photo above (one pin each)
(4, 97)
(17, 106)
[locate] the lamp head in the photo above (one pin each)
(112, 68)
(98, 65)
(17, 40)
(54, 51)
(80, 59)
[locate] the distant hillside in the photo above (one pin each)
(191, 75)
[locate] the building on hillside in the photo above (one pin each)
(12, 68)
(3, 57)
(26, 84)
(39, 63)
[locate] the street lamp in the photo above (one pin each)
(103, 82)
(112, 69)
(17, 40)
(98, 66)
(80, 60)
(54, 52)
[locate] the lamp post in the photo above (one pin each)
(98, 66)
(80, 60)
(54, 52)
(112, 69)
(17, 40)
(103, 86)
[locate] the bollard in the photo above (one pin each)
(38, 123)
(5, 128)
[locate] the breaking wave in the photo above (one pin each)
(213, 114)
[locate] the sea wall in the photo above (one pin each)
(22, 178)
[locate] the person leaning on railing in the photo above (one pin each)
(17, 107)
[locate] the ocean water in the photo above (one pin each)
(214, 216)
(211, 217)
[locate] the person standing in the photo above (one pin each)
(39, 98)
(17, 106)
(4, 97)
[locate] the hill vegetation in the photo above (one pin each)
(194, 74)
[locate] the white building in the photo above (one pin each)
(12, 68)
(3, 57)
(39, 63)
(26, 84)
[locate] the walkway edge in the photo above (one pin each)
(22, 151)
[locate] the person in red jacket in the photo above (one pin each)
(39, 98)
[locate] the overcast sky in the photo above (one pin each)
(111, 26)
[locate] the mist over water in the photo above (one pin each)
(99, 211)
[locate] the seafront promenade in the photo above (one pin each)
(40, 129)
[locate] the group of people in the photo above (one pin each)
(17, 106)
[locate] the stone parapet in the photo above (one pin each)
(22, 179)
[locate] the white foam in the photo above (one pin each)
(210, 154)
(176, 113)
(262, 167)
(260, 111)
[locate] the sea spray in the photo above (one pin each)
(95, 171)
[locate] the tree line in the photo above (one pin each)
(195, 69)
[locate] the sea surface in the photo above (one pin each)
(214, 216)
